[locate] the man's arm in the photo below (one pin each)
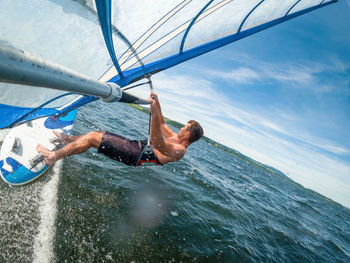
(165, 129)
(170, 150)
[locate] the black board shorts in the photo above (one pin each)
(121, 149)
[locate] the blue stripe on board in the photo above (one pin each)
(20, 175)
(13, 163)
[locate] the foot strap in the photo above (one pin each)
(16, 146)
(36, 160)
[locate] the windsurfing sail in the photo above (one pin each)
(142, 38)
(166, 33)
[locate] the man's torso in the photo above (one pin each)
(171, 156)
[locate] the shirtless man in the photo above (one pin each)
(168, 146)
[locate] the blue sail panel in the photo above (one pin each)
(10, 114)
(104, 15)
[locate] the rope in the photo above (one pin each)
(137, 85)
(150, 115)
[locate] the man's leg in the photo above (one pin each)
(64, 138)
(80, 144)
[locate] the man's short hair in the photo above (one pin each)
(196, 131)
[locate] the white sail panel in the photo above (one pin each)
(267, 11)
(307, 4)
(224, 20)
(134, 18)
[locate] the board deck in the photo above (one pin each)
(20, 163)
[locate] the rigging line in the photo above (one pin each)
(290, 9)
(251, 11)
(148, 76)
(137, 85)
(150, 114)
(126, 41)
(191, 24)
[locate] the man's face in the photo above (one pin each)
(184, 130)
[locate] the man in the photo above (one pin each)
(168, 146)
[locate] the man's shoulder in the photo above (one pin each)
(176, 146)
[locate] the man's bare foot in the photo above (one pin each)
(49, 157)
(64, 138)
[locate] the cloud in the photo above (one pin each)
(304, 74)
(209, 103)
(201, 98)
(240, 75)
(338, 65)
(301, 75)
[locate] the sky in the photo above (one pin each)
(281, 97)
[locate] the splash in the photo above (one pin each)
(43, 245)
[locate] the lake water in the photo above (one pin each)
(209, 207)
